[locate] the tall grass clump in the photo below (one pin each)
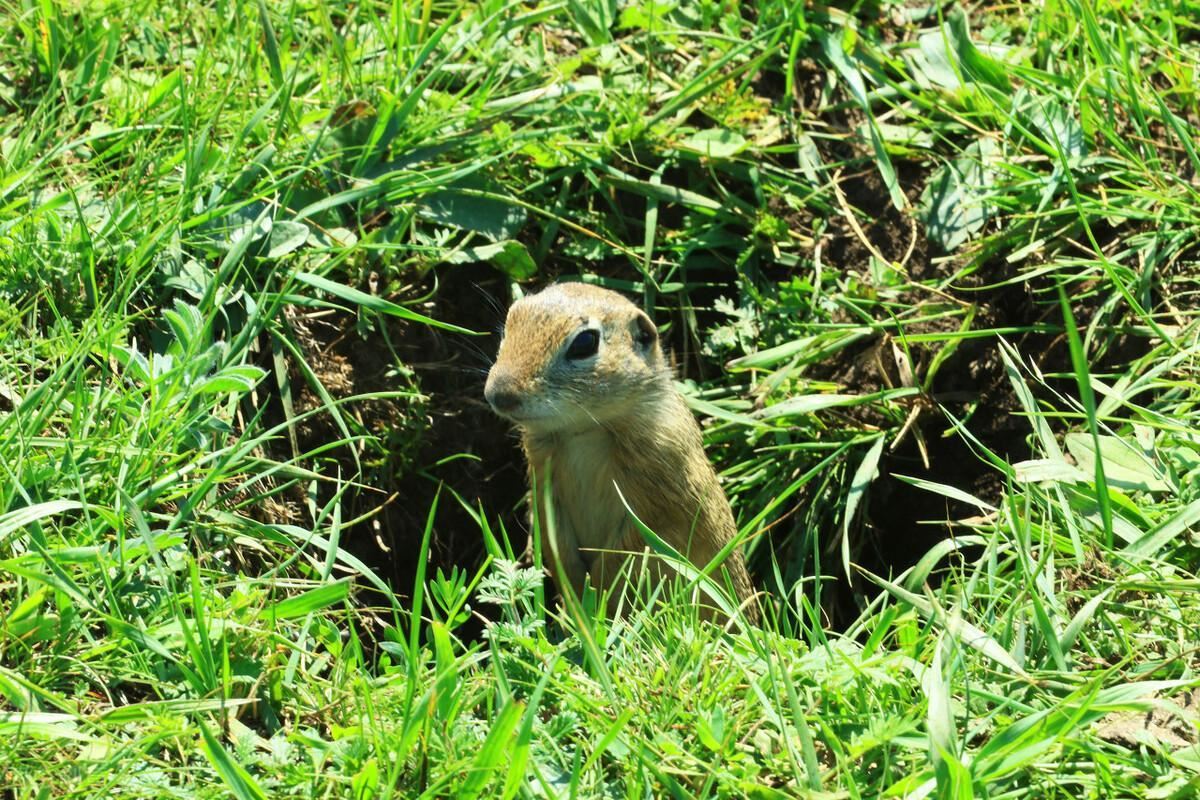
(928, 275)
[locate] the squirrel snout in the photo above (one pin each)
(501, 394)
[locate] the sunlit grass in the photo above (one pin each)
(930, 280)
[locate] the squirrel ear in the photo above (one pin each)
(646, 332)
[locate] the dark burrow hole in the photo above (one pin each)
(451, 369)
(901, 522)
(467, 459)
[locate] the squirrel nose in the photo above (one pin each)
(501, 396)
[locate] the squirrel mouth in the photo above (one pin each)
(531, 421)
(517, 415)
(528, 420)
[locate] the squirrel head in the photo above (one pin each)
(575, 356)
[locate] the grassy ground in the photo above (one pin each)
(929, 275)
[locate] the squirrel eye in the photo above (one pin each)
(585, 344)
(646, 332)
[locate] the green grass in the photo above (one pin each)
(929, 273)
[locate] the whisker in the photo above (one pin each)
(490, 299)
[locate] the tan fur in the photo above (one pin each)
(615, 417)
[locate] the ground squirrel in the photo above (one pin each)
(582, 374)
